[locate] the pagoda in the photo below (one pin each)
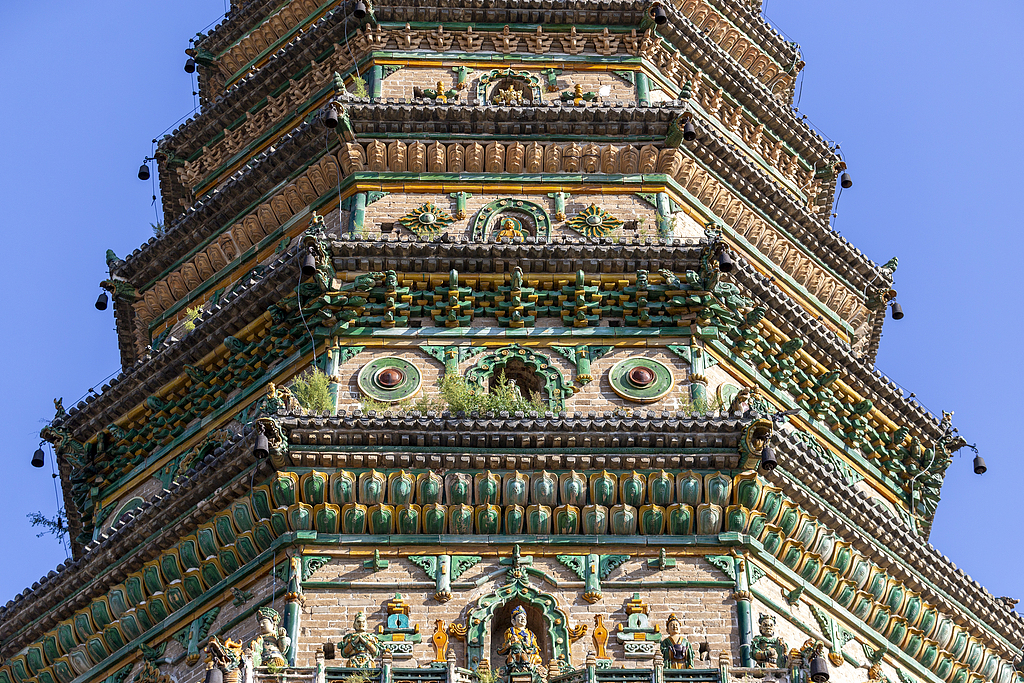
(501, 341)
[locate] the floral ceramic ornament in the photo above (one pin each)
(594, 222)
(427, 221)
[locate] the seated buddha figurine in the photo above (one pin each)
(519, 645)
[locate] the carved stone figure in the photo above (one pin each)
(519, 645)
(273, 642)
(768, 650)
(360, 648)
(677, 650)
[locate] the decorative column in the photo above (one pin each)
(698, 380)
(659, 667)
(321, 666)
(386, 664)
(559, 198)
(358, 215)
(664, 214)
(591, 667)
(643, 88)
(450, 664)
(331, 370)
(376, 80)
(743, 598)
(293, 606)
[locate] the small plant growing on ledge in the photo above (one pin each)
(457, 394)
(504, 394)
(190, 317)
(57, 525)
(311, 389)
(360, 87)
(486, 676)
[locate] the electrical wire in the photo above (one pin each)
(835, 209)
(302, 316)
(60, 508)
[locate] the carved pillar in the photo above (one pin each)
(559, 198)
(643, 88)
(664, 214)
(723, 666)
(386, 664)
(376, 80)
(321, 666)
(450, 664)
(743, 597)
(698, 380)
(358, 215)
(659, 667)
(331, 370)
(293, 606)
(591, 667)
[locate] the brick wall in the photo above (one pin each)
(402, 83)
(596, 395)
(625, 207)
(706, 613)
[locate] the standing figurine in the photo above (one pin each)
(271, 647)
(519, 645)
(768, 651)
(676, 649)
(360, 648)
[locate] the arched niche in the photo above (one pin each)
(490, 85)
(489, 365)
(525, 218)
(491, 616)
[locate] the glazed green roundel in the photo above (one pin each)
(640, 379)
(389, 379)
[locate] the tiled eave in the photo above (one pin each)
(651, 441)
(753, 25)
(237, 23)
(232, 314)
(861, 374)
(242, 190)
(823, 492)
(351, 254)
(319, 38)
(813, 484)
(228, 202)
(136, 539)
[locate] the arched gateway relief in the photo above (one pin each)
(487, 623)
(511, 218)
(508, 87)
(522, 361)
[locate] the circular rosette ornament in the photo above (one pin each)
(640, 379)
(389, 379)
(594, 222)
(427, 221)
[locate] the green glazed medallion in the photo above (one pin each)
(641, 379)
(389, 379)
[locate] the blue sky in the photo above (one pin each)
(924, 98)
